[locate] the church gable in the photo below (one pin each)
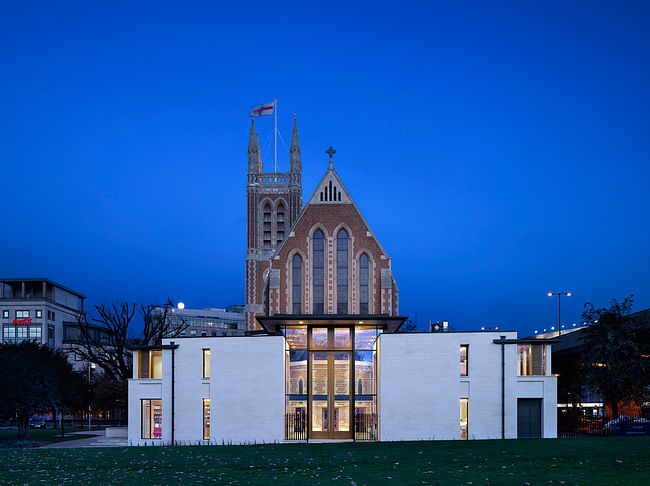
(330, 190)
(352, 262)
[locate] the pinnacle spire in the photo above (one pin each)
(294, 149)
(254, 157)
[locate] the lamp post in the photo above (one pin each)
(90, 366)
(559, 295)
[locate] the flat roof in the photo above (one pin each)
(52, 282)
(272, 323)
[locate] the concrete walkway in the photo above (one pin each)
(98, 440)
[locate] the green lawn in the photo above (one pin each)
(605, 461)
(44, 435)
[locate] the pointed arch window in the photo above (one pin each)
(364, 273)
(318, 247)
(279, 224)
(342, 272)
(267, 226)
(296, 284)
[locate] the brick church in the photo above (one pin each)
(320, 259)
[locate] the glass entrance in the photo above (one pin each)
(330, 395)
(330, 383)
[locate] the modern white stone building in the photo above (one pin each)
(326, 361)
(398, 386)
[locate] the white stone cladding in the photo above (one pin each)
(246, 391)
(419, 388)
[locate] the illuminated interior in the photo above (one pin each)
(331, 382)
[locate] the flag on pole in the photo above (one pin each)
(262, 110)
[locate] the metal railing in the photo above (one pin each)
(295, 426)
(365, 426)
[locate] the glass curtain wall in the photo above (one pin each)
(331, 382)
(296, 383)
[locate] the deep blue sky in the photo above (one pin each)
(498, 150)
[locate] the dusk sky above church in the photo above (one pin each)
(498, 151)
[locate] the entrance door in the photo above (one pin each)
(329, 395)
(529, 418)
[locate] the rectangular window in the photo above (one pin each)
(464, 418)
(151, 417)
(53, 316)
(50, 336)
(532, 359)
(150, 363)
(39, 314)
(206, 418)
(464, 360)
(206, 363)
(17, 334)
(319, 338)
(5, 314)
(22, 314)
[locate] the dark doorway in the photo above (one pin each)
(529, 418)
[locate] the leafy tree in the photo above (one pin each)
(616, 349)
(35, 379)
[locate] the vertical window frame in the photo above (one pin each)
(296, 283)
(342, 271)
(206, 418)
(318, 283)
(364, 283)
(206, 363)
(466, 362)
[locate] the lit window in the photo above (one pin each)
(532, 359)
(150, 363)
(5, 314)
(151, 418)
(206, 419)
(206, 363)
(464, 418)
(464, 360)
(342, 272)
(22, 314)
(319, 272)
(39, 314)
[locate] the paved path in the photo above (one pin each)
(98, 440)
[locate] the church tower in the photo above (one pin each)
(274, 201)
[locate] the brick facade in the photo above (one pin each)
(330, 209)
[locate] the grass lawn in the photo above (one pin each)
(44, 435)
(595, 461)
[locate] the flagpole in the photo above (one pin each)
(275, 132)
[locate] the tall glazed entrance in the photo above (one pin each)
(329, 396)
(331, 373)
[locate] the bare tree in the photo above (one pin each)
(103, 341)
(158, 325)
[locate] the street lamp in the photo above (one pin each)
(559, 295)
(90, 366)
